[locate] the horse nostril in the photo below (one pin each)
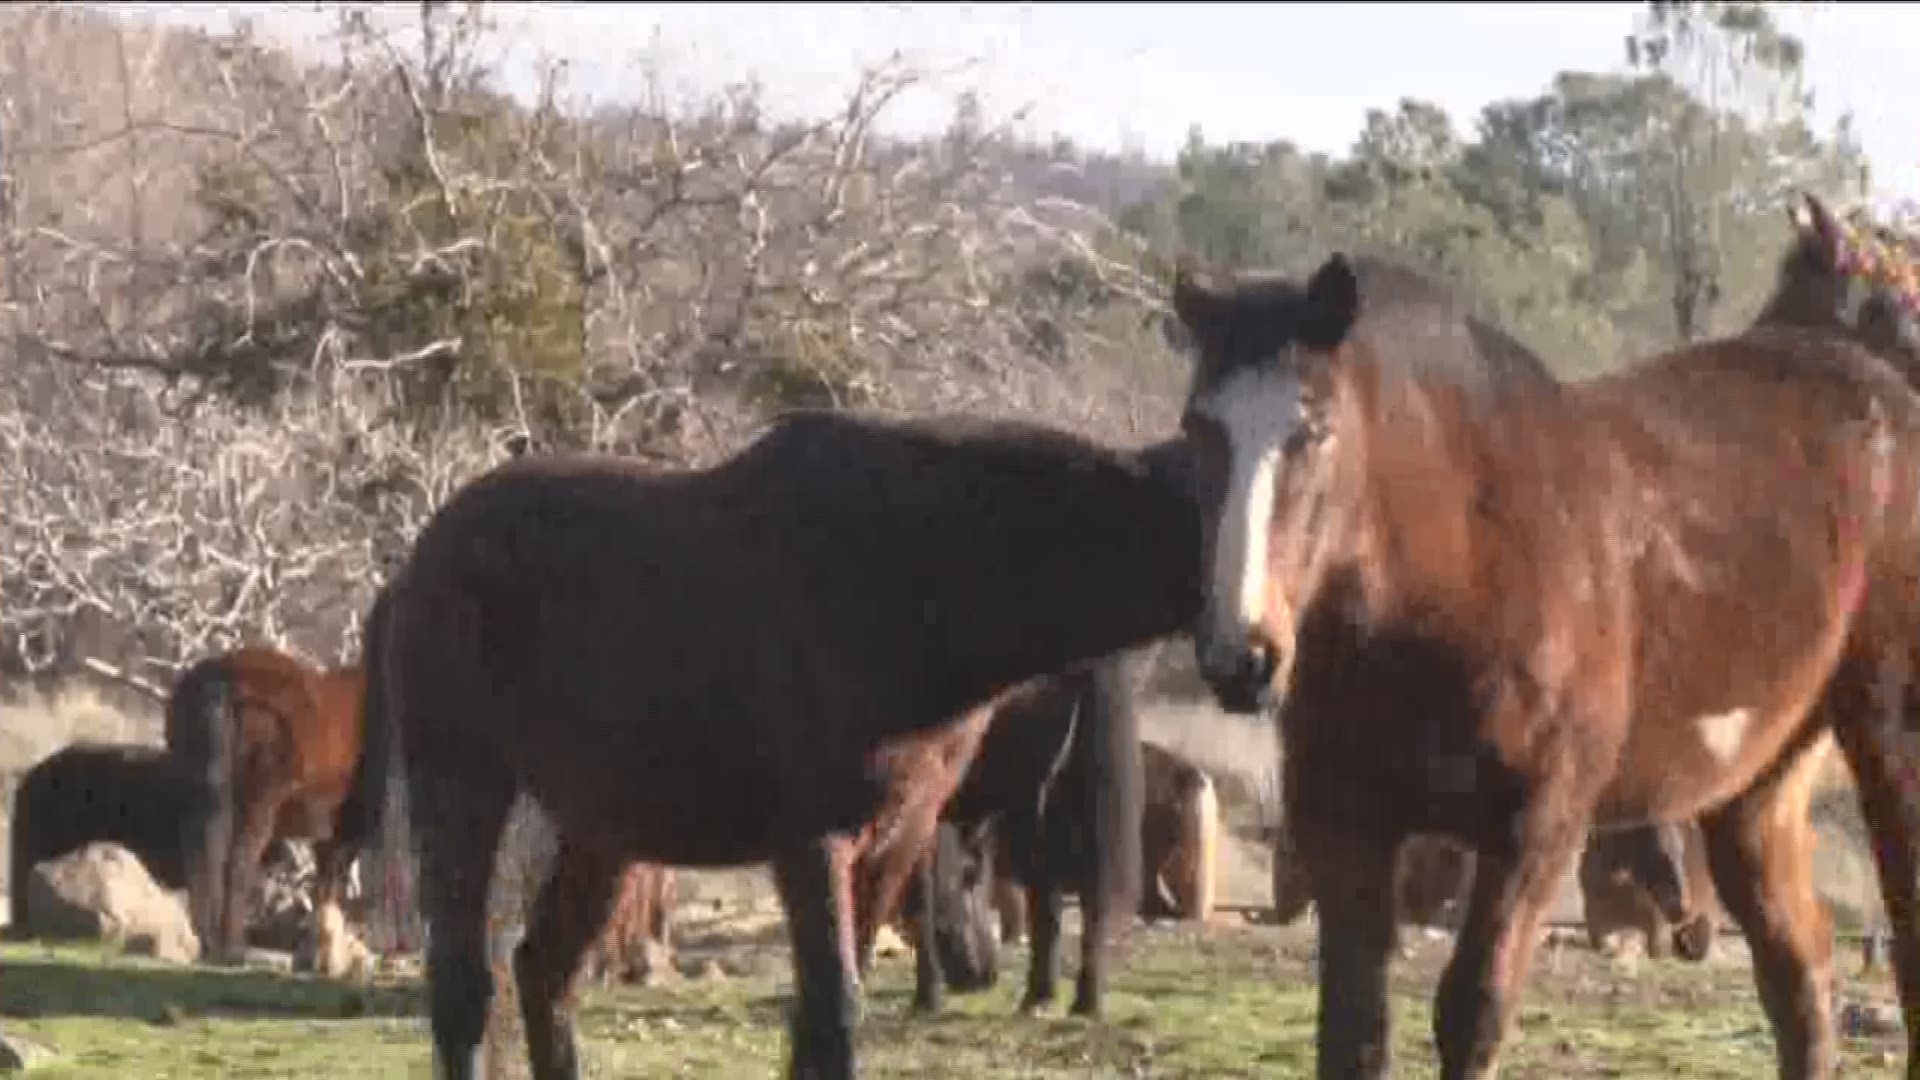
(1260, 662)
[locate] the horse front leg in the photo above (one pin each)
(818, 928)
(568, 918)
(1044, 908)
(1097, 916)
(928, 979)
(1350, 875)
(250, 840)
(1483, 981)
(1886, 769)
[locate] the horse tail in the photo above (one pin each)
(202, 722)
(24, 851)
(1200, 842)
(374, 813)
(1106, 750)
(361, 810)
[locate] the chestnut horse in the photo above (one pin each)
(1179, 837)
(277, 743)
(1509, 615)
(1054, 791)
(1622, 875)
(139, 797)
(695, 667)
(637, 944)
(890, 857)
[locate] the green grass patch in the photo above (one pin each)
(1226, 1003)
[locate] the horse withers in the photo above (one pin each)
(276, 742)
(1506, 613)
(695, 667)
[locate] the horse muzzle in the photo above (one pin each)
(1240, 674)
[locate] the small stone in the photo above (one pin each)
(18, 1054)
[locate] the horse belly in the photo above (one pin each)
(669, 800)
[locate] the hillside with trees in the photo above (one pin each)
(258, 316)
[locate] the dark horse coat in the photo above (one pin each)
(139, 797)
(1056, 787)
(694, 668)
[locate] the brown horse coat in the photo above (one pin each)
(1642, 598)
(279, 742)
(1615, 893)
(694, 668)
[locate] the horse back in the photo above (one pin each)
(1766, 480)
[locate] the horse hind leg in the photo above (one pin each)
(568, 918)
(1886, 771)
(458, 810)
(1760, 850)
(822, 1025)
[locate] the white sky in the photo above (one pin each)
(1113, 75)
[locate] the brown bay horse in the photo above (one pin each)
(1507, 616)
(695, 668)
(277, 743)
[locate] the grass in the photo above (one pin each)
(1229, 1002)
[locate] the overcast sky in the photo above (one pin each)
(1140, 74)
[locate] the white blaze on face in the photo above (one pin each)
(1723, 734)
(1258, 410)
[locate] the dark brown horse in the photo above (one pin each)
(1654, 880)
(1430, 881)
(695, 668)
(1508, 615)
(277, 743)
(139, 797)
(1179, 848)
(1055, 792)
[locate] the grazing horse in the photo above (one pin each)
(637, 944)
(277, 743)
(1654, 880)
(139, 797)
(891, 857)
(1055, 792)
(1507, 616)
(1179, 837)
(695, 668)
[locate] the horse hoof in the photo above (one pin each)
(1694, 940)
(1089, 1010)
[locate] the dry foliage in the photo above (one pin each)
(263, 315)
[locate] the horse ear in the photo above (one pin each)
(1812, 217)
(1333, 303)
(1194, 295)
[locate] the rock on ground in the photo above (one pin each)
(18, 1054)
(103, 892)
